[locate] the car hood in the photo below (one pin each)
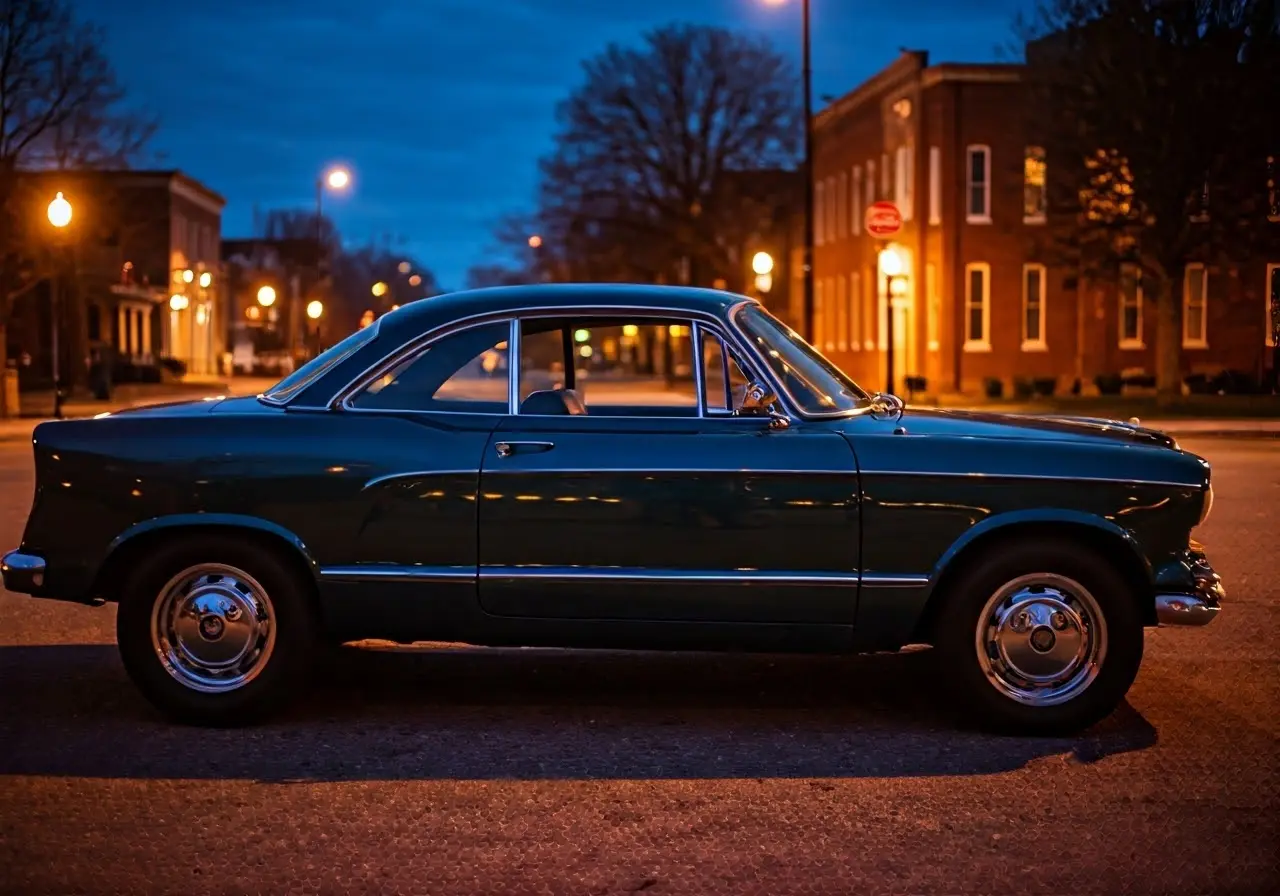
(1048, 427)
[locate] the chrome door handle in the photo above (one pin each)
(506, 449)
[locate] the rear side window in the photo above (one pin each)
(463, 372)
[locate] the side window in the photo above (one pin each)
(464, 372)
(637, 367)
(725, 383)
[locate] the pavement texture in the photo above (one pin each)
(451, 770)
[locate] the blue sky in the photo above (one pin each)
(441, 107)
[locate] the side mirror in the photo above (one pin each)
(758, 401)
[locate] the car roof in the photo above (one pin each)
(497, 299)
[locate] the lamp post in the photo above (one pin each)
(806, 168)
(336, 179)
(59, 213)
(315, 309)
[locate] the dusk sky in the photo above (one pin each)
(441, 107)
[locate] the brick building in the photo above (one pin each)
(139, 273)
(976, 299)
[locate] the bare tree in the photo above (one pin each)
(60, 106)
(1151, 114)
(645, 179)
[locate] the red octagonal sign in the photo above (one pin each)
(883, 219)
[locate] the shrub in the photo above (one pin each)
(993, 387)
(1109, 383)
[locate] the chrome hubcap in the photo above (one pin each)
(1041, 639)
(213, 628)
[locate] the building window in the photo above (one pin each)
(842, 205)
(977, 307)
(1034, 197)
(902, 192)
(1272, 305)
(819, 313)
(1033, 294)
(978, 165)
(855, 199)
(869, 305)
(1195, 301)
(871, 183)
(855, 311)
(1273, 189)
(885, 175)
(833, 311)
(819, 211)
(832, 214)
(933, 306)
(1130, 308)
(842, 314)
(935, 185)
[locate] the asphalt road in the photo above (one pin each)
(467, 771)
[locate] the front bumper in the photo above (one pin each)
(23, 573)
(1202, 601)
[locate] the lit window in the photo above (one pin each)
(855, 311)
(1033, 295)
(819, 212)
(977, 307)
(1195, 300)
(978, 163)
(1034, 198)
(855, 217)
(842, 314)
(935, 185)
(933, 306)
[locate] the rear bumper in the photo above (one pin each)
(23, 573)
(1201, 604)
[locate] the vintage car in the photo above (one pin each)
(614, 467)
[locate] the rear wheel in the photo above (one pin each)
(216, 630)
(1040, 638)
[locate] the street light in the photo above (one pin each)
(266, 296)
(535, 241)
(762, 263)
(205, 279)
(178, 302)
(315, 308)
(807, 166)
(378, 289)
(337, 179)
(60, 217)
(188, 275)
(894, 268)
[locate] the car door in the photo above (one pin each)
(429, 417)
(657, 504)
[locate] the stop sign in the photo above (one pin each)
(883, 219)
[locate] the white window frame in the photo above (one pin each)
(1200, 340)
(1136, 342)
(902, 186)
(932, 308)
(1041, 217)
(855, 311)
(969, 215)
(855, 198)
(1273, 272)
(819, 214)
(842, 314)
(1035, 342)
(983, 344)
(935, 185)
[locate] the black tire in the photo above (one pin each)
(287, 662)
(980, 696)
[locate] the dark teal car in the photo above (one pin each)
(620, 467)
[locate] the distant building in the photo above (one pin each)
(976, 300)
(140, 274)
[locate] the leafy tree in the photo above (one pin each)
(646, 178)
(1156, 124)
(60, 107)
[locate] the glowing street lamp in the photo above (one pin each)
(338, 178)
(178, 302)
(205, 279)
(378, 289)
(188, 275)
(535, 241)
(266, 296)
(762, 263)
(894, 268)
(315, 308)
(59, 211)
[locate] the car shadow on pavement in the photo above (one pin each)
(482, 714)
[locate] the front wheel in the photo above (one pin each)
(216, 630)
(1040, 638)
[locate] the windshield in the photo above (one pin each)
(816, 385)
(318, 366)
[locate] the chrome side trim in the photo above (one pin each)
(392, 573)
(884, 580)
(410, 474)
(513, 368)
(691, 576)
(943, 474)
(693, 471)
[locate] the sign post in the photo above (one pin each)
(883, 221)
